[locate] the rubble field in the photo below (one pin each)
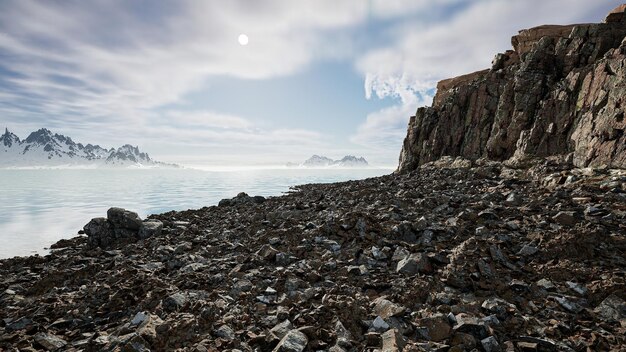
(452, 257)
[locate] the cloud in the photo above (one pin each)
(111, 66)
(205, 119)
(118, 67)
(112, 58)
(105, 58)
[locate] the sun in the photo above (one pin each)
(243, 39)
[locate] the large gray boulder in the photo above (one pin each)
(124, 219)
(150, 228)
(414, 263)
(241, 198)
(120, 225)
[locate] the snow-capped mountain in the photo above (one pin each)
(351, 161)
(318, 161)
(42, 148)
(127, 154)
(348, 161)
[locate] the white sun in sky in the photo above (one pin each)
(243, 39)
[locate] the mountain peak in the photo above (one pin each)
(8, 139)
(45, 148)
(128, 153)
(41, 136)
(347, 161)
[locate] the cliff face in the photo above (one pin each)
(561, 91)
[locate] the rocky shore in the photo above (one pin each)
(454, 256)
(503, 230)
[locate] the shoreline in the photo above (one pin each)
(45, 206)
(438, 256)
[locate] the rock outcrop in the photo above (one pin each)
(120, 226)
(559, 92)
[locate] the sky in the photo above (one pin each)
(316, 77)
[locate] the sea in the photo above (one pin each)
(40, 207)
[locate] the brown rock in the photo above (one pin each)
(393, 341)
(559, 93)
(616, 15)
(386, 309)
(438, 327)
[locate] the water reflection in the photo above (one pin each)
(39, 207)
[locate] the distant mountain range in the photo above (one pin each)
(317, 161)
(42, 148)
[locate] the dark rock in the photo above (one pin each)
(124, 219)
(437, 326)
(241, 198)
(100, 232)
(471, 325)
(565, 218)
(490, 344)
(49, 342)
(225, 332)
(174, 302)
(150, 228)
(612, 308)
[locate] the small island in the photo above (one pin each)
(317, 161)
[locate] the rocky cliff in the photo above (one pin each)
(559, 92)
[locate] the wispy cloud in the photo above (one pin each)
(204, 119)
(117, 67)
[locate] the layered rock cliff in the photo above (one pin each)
(561, 91)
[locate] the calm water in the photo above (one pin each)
(39, 207)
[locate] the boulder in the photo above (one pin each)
(565, 218)
(124, 219)
(386, 309)
(241, 198)
(393, 341)
(294, 341)
(174, 302)
(100, 232)
(437, 326)
(612, 308)
(414, 263)
(120, 225)
(49, 342)
(150, 228)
